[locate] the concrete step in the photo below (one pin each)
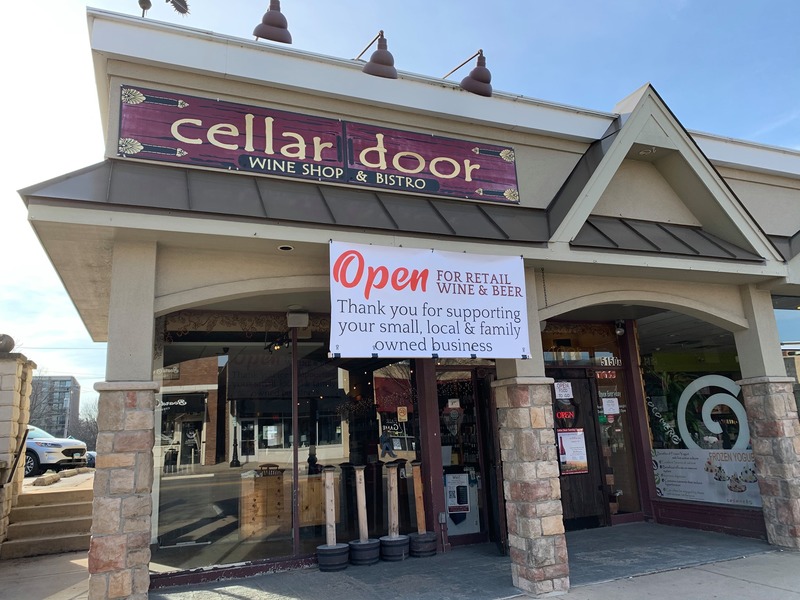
(51, 544)
(49, 527)
(51, 497)
(49, 522)
(21, 514)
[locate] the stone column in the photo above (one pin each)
(775, 437)
(119, 553)
(531, 485)
(16, 372)
(772, 416)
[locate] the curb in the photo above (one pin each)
(52, 478)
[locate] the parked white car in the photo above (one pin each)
(45, 451)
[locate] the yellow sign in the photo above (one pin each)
(402, 414)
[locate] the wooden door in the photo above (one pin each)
(582, 491)
(492, 464)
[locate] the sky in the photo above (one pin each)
(726, 67)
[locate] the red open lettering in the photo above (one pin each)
(377, 277)
(349, 271)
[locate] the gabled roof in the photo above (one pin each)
(647, 130)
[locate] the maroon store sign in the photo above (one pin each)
(170, 127)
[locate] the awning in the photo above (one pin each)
(119, 183)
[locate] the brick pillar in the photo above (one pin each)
(119, 553)
(531, 485)
(16, 373)
(775, 437)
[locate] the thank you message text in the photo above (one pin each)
(402, 302)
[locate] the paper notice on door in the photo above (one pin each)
(457, 488)
(610, 406)
(572, 451)
(563, 390)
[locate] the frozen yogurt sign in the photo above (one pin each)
(401, 302)
(173, 127)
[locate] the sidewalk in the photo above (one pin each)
(769, 576)
(68, 480)
(678, 562)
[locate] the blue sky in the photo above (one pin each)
(731, 68)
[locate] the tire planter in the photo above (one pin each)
(394, 548)
(333, 557)
(422, 544)
(365, 553)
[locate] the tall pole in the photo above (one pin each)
(330, 506)
(418, 496)
(235, 458)
(394, 523)
(295, 440)
(361, 501)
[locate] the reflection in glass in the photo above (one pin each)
(460, 451)
(225, 471)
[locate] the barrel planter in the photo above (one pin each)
(394, 548)
(422, 544)
(367, 552)
(333, 557)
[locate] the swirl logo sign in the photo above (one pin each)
(726, 398)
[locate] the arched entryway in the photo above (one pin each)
(658, 412)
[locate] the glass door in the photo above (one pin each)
(247, 447)
(462, 459)
(594, 425)
(616, 440)
(583, 502)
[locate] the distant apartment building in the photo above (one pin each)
(55, 403)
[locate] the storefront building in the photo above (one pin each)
(565, 315)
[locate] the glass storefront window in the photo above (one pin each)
(698, 428)
(580, 344)
(225, 485)
(395, 399)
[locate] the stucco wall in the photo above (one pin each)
(639, 191)
(718, 304)
(189, 278)
(773, 201)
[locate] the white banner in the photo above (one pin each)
(408, 303)
(722, 476)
